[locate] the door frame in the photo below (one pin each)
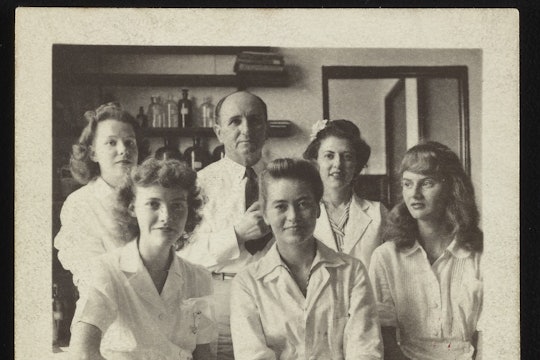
(401, 72)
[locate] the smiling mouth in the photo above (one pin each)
(124, 162)
(417, 206)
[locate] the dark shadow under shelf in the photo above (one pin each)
(283, 131)
(194, 80)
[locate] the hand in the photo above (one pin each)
(251, 225)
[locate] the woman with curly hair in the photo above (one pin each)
(348, 223)
(426, 276)
(91, 225)
(144, 302)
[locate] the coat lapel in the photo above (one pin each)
(357, 223)
(323, 230)
(138, 277)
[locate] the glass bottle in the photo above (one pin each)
(142, 119)
(196, 155)
(171, 112)
(207, 112)
(58, 313)
(155, 113)
(185, 119)
(169, 150)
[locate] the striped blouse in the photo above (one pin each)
(338, 226)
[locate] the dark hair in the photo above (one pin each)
(296, 169)
(217, 110)
(167, 173)
(461, 213)
(82, 167)
(343, 129)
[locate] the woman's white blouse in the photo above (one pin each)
(137, 322)
(435, 307)
(91, 226)
(271, 319)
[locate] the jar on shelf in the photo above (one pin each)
(196, 156)
(206, 111)
(169, 150)
(155, 113)
(171, 112)
(141, 118)
(185, 117)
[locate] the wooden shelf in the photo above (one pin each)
(205, 132)
(193, 80)
(157, 49)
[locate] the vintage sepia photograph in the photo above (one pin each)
(244, 195)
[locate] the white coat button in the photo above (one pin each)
(161, 316)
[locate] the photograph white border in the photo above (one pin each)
(494, 31)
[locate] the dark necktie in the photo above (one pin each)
(252, 195)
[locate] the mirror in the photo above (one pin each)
(395, 108)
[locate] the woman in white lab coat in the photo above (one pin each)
(301, 300)
(92, 221)
(142, 301)
(348, 223)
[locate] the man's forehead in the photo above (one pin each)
(241, 102)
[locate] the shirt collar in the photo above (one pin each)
(101, 188)
(454, 249)
(272, 260)
(130, 260)
(238, 171)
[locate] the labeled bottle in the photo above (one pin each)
(218, 153)
(185, 119)
(171, 112)
(206, 111)
(141, 118)
(155, 113)
(196, 156)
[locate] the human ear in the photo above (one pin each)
(217, 131)
(92, 153)
(131, 210)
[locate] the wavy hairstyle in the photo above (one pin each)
(342, 129)
(461, 214)
(296, 169)
(168, 173)
(81, 165)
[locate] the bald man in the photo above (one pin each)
(233, 233)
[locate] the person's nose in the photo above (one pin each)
(121, 148)
(164, 214)
(244, 126)
(292, 213)
(337, 161)
(417, 191)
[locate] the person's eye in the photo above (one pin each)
(406, 184)
(349, 157)
(329, 156)
(280, 207)
(178, 206)
(304, 204)
(130, 143)
(111, 142)
(235, 121)
(428, 183)
(154, 205)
